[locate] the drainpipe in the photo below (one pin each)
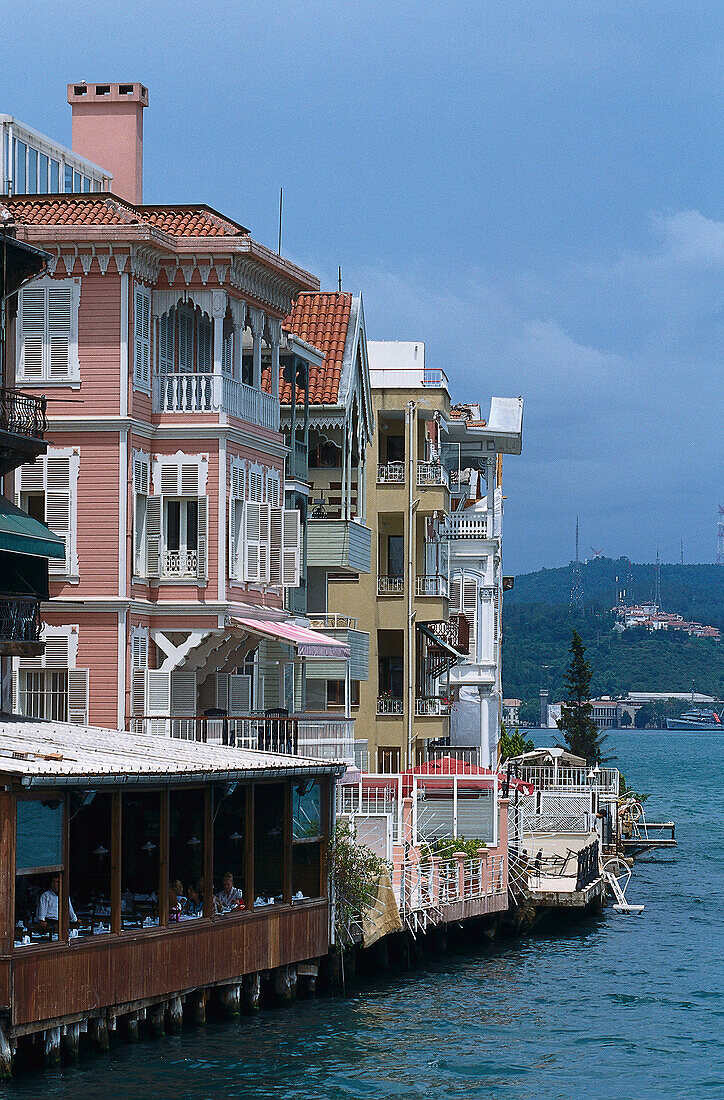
(410, 422)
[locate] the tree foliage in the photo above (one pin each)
(513, 744)
(355, 871)
(576, 721)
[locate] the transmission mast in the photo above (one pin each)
(576, 582)
(720, 537)
(657, 596)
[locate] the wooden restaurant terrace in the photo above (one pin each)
(122, 843)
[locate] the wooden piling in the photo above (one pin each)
(69, 1040)
(252, 992)
(98, 1031)
(174, 1015)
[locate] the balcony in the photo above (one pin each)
(23, 424)
(316, 736)
(432, 707)
(297, 465)
(466, 525)
(343, 628)
(20, 626)
(341, 545)
(393, 473)
(180, 563)
(432, 586)
(214, 393)
(454, 633)
(386, 705)
(431, 474)
(390, 586)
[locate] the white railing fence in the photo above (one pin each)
(464, 525)
(437, 883)
(391, 473)
(180, 563)
(390, 586)
(570, 779)
(431, 473)
(389, 706)
(431, 586)
(431, 707)
(193, 393)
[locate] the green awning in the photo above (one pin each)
(19, 534)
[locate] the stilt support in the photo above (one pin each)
(252, 992)
(174, 1015)
(230, 999)
(6, 1053)
(98, 1030)
(69, 1042)
(155, 1021)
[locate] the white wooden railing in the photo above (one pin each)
(331, 620)
(389, 706)
(302, 735)
(570, 779)
(431, 586)
(431, 707)
(464, 525)
(180, 563)
(393, 473)
(390, 586)
(194, 393)
(440, 882)
(431, 473)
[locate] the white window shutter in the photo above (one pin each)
(202, 546)
(239, 694)
(154, 545)
(139, 649)
(140, 488)
(169, 479)
(158, 692)
(78, 696)
(32, 476)
(58, 508)
(185, 341)
(236, 508)
(60, 331)
(57, 651)
(276, 538)
(227, 355)
(291, 548)
(264, 542)
(189, 480)
(222, 690)
(203, 335)
(142, 336)
(256, 485)
(138, 692)
(252, 539)
(183, 694)
(32, 332)
(238, 480)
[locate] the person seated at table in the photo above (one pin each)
(194, 903)
(175, 897)
(48, 905)
(230, 896)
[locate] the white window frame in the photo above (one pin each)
(45, 377)
(141, 492)
(237, 496)
(184, 478)
(34, 478)
(60, 657)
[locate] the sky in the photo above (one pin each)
(533, 189)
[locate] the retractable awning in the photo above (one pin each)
(19, 534)
(308, 643)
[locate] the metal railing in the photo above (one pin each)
(331, 620)
(431, 707)
(22, 413)
(192, 393)
(19, 619)
(389, 706)
(315, 736)
(440, 882)
(466, 525)
(297, 464)
(450, 756)
(431, 586)
(570, 779)
(390, 586)
(180, 563)
(454, 631)
(431, 473)
(393, 473)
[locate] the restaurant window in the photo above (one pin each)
(38, 869)
(89, 865)
(186, 854)
(140, 878)
(229, 846)
(306, 839)
(269, 829)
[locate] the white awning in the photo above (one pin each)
(308, 643)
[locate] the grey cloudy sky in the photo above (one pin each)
(534, 189)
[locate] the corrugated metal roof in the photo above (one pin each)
(42, 753)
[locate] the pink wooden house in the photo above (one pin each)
(164, 473)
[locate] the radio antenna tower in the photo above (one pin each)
(657, 597)
(576, 583)
(720, 537)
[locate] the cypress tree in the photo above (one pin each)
(576, 721)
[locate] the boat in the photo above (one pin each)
(702, 720)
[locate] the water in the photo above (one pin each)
(616, 1007)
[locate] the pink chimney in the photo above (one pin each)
(108, 129)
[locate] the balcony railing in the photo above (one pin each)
(19, 619)
(389, 706)
(442, 882)
(431, 586)
(309, 735)
(390, 586)
(464, 525)
(330, 620)
(431, 473)
(572, 780)
(431, 706)
(297, 461)
(391, 474)
(199, 393)
(180, 563)
(22, 413)
(455, 632)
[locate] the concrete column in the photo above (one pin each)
(484, 857)
(461, 857)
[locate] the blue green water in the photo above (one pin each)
(618, 1007)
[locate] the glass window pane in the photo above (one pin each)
(192, 524)
(306, 871)
(39, 835)
(54, 177)
(90, 863)
(96, 185)
(68, 173)
(36, 908)
(186, 855)
(77, 181)
(86, 183)
(32, 170)
(268, 844)
(173, 524)
(43, 178)
(229, 847)
(306, 809)
(141, 830)
(20, 176)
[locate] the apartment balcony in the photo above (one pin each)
(340, 545)
(431, 707)
(214, 393)
(466, 525)
(430, 474)
(390, 586)
(393, 473)
(453, 633)
(432, 586)
(343, 628)
(388, 706)
(20, 626)
(23, 425)
(317, 736)
(297, 464)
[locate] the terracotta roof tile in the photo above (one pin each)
(320, 318)
(72, 210)
(190, 221)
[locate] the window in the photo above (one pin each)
(48, 331)
(176, 536)
(38, 869)
(269, 835)
(141, 476)
(391, 677)
(48, 492)
(32, 170)
(181, 519)
(307, 834)
(388, 760)
(271, 540)
(230, 841)
(395, 556)
(43, 177)
(20, 168)
(186, 853)
(335, 693)
(395, 448)
(86, 183)
(89, 864)
(464, 600)
(237, 486)
(44, 694)
(140, 865)
(142, 337)
(68, 178)
(54, 177)
(77, 181)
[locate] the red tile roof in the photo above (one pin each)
(107, 209)
(321, 319)
(194, 221)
